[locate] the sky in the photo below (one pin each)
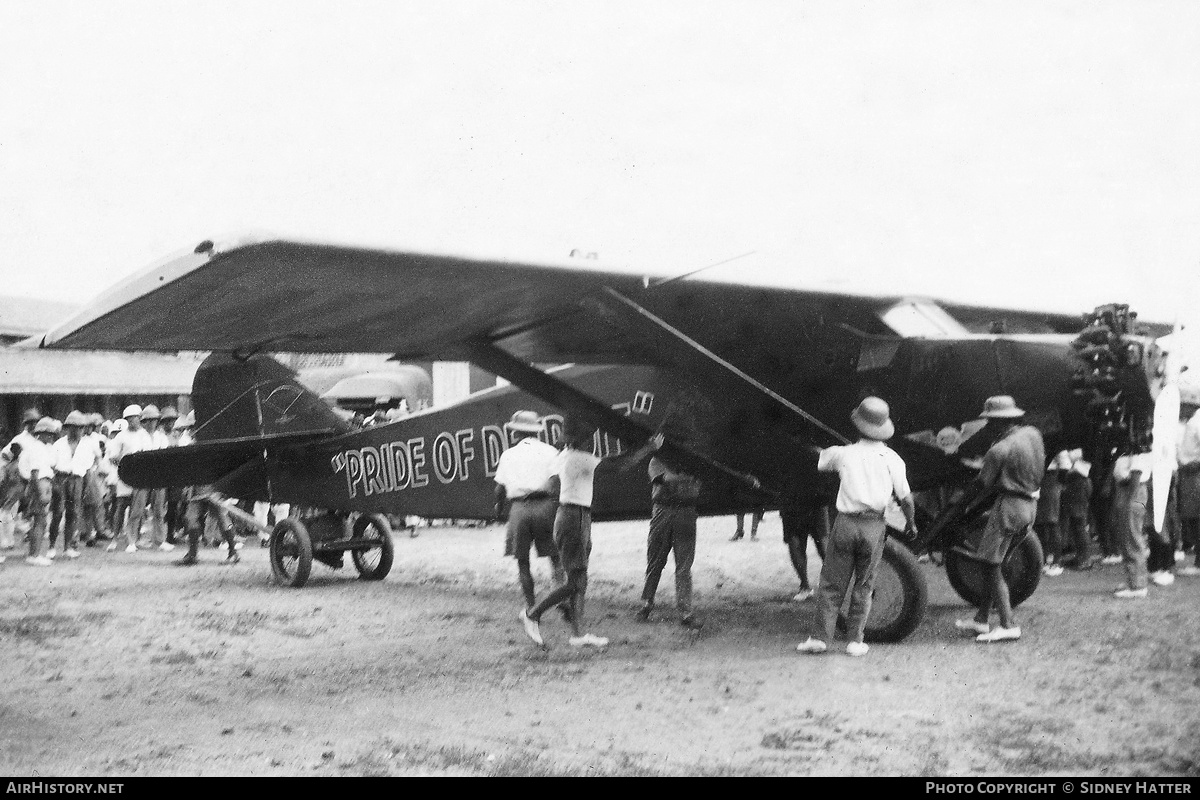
(1042, 155)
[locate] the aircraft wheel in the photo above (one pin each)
(291, 552)
(373, 564)
(900, 597)
(1022, 572)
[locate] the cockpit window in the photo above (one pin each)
(921, 319)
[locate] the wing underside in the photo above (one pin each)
(290, 296)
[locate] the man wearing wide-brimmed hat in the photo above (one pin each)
(871, 474)
(132, 438)
(524, 480)
(1014, 466)
(75, 457)
(8, 512)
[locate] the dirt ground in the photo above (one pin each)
(120, 665)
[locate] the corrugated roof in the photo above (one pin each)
(27, 316)
(24, 371)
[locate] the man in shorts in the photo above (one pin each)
(1013, 466)
(801, 518)
(524, 480)
(870, 475)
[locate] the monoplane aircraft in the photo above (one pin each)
(760, 375)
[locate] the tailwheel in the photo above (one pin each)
(373, 563)
(291, 552)
(899, 599)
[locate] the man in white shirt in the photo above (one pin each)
(1131, 475)
(523, 478)
(157, 498)
(75, 457)
(871, 475)
(8, 513)
(133, 439)
(575, 467)
(1188, 487)
(36, 465)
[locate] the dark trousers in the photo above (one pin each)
(854, 551)
(672, 528)
(800, 522)
(1050, 535)
(1081, 540)
(195, 515)
(70, 487)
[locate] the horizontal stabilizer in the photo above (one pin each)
(204, 463)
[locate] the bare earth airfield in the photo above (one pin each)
(120, 665)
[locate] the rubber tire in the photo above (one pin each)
(304, 554)
(1022, 572)
(897, 568)
(387, 547)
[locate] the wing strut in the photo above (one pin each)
(643, 317)
(490, 357)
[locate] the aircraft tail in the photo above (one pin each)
(256, 398)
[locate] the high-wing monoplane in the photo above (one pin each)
(760, 374)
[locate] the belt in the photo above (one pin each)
(532, 496)
(574, 505)
(1015, 493)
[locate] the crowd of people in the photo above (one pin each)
(60, 489)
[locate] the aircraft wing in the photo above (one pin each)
(279, 295)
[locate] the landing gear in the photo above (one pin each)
(291, 552)
(327, 536)
(373, 563)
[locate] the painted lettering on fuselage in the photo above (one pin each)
(447, 457)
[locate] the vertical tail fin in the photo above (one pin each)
(255, 397)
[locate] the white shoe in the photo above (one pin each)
(857, 649)
(112, 548)
(1190, 571)
(166, 547)
(1052, 570)
(1180, 556)
(1000, 635)
(1110, 560)
(71, 553)
(1162, 578)
(971, 625)
(38, 561)
(131, 549)
(811, 645)
(237, 545)
(50, 554)
(531, 628)
(802, 595)
(588, 640)
(1128, 594)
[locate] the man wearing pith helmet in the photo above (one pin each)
(871, 475)
(524, 481)
(133, 438)
(157, 497)
(1013, 466)
(75, 458)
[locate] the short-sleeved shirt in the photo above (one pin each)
(576, 470)
(1016, 463)
(38, 456)
(1188, 451)
(871, 474)
(78, 461)
(525, 467)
